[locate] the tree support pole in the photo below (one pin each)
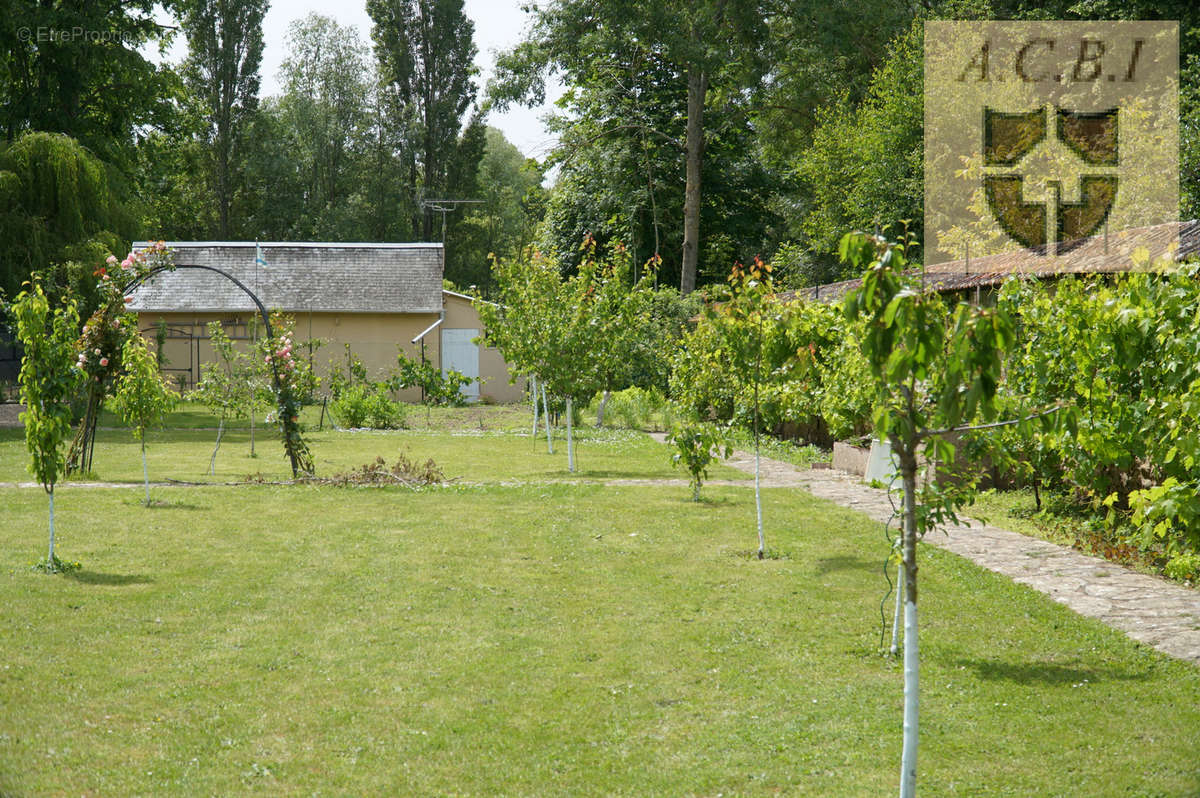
(570, 446)
(50, 561)
(908, 756)
(546, 415)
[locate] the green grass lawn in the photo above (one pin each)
(483, 444)
(550, 639)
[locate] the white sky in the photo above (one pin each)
(498, 26)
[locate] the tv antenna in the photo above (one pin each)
(445, 206)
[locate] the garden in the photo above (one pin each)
(514, 633)
(530, 599)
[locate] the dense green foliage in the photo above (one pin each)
(436, 388)
(1123, 352)
(813, 381)
(225, 45)
(367, 405)
(58, 203)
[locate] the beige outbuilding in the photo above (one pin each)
(376, 299)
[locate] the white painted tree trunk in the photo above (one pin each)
(895, 648)
(600, 410)
(908, 755)
(212, 461)
(546, 415)
(252, 454)
(762, 541)
(570, 444)
(145, 471)
(50, 561)
(533, 392)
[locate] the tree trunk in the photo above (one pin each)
(908, 756)
(212, 462)
(145, 471)
(570, 444)
(533, 391)
(546, 414)
(223, 147)
(252, 454)
(762, 541)
(50, 561)
(600, 410)
(694, 147)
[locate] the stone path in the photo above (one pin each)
(1151, 610)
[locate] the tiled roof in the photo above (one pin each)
(1097, 255)
(341, 278)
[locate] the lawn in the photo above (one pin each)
(480, 444)
(541, 639)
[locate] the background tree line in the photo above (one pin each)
(102, 146)
(705, 133)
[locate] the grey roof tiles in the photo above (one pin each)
(320, 277)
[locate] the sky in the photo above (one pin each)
(498, 26)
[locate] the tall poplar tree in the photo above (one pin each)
(225, 45)
(713, 50)
(426, 53)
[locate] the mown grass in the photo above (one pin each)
(473, 443)
(543, 640)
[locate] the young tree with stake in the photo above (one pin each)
(935, 371)
(49, 380)
(143, 398)
(226, 385)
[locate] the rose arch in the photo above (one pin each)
(286, 402)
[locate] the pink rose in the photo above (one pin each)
(126, 265)
(103, 361)
(110, 260)
(96, 351)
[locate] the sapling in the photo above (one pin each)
(751, 295)
(934, 371)
(143, 398)
(227, 385)
(698, 444)
(48, 381)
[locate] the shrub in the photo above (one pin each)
(635, 408)
(437, 388)
(698, 444)
(367, 406)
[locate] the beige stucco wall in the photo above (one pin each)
(460, 314)
(373, 337)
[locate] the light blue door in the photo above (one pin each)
(460, 354)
